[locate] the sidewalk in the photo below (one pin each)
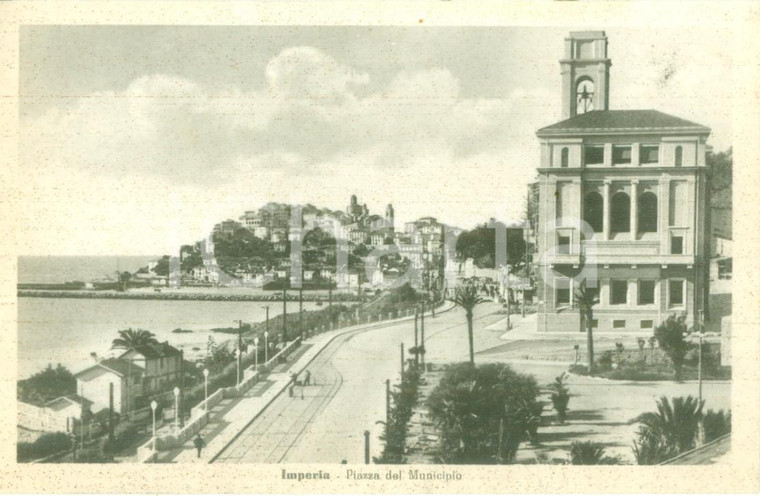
(232, 415)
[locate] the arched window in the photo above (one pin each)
(620, 213)
(564, 157)
(679, 156)
(593, 211)
(647, 213)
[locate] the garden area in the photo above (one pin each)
(671, 353)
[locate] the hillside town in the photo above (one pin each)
(611, 294)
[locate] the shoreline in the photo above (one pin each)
(179, 296)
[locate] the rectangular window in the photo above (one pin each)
(676, 293)
(646, 292)
(649, 154)
(621, 154)
(563, 245)
(647, 324)
(594, 323)
(594, 155)
(676, 245)
(563, 292)
(618, 324)
(619, 292)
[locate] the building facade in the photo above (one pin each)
(622, 198)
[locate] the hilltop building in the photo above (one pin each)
(621, 204)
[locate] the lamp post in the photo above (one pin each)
(176, 408)
(256, 354)
(205, 382)
(153, 406)
(266, 347)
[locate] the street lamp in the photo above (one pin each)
(153, 406)
(176, 408)
(205, 382)
(256, 354)
(266, 347)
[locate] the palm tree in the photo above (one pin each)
(132, 338)
(467, 297)
(584, 300)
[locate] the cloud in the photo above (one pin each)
(166, 154)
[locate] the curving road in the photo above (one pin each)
(327, 424)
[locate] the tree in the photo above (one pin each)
(47, 385)
(124, 278)
(589, 453)
(132, 338)
(584, 300)
(671, 430)
(467, 297)
(671, 338)
(483, 413)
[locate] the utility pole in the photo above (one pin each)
(284, 314)
(416, 343)
(402, 359)
(509, 307)
(300, 310)
(240, 345)
(366, 447)
(387, 402)
(422, 333)
(181, 386)
(110, 412)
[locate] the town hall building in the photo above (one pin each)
(622, 206)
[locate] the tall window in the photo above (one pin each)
(647, 212)
(594, 155)
(649, 154)
(564, 157)
(621, 155)
(620, 213)
(618, 292)
(563, 292)
(675, 291)
(593, 211)
(679, 156)
(646, 292)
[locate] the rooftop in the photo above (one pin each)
(622, 120)
(156, 350)
(116, 365)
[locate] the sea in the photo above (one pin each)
(73, 331)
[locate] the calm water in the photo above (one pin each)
(66, 331)
(49, 270)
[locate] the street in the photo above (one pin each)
(327, 424)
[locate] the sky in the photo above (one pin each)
(137, 139)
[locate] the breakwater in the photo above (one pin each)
(176, 296)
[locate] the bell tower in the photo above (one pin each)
(585, 73)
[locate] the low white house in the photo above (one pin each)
(94, 383)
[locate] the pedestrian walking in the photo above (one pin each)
(199, 444)
(307, 378)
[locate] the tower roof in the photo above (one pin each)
(622, 121)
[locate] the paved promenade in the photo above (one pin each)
(232, 415)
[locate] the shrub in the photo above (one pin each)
(45, 445)
(605, 361)
(670, 337)
(716, 424)
(589, 453)
(484, 413)
(560, 396)
(125, 435)
(669, 431)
